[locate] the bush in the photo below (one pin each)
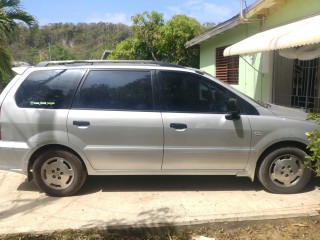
(313, 158)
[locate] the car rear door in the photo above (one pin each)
(115, 122)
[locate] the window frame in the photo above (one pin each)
(154, 90)
(243, 105)
(226, 67)
(164, 106)
(76, 86)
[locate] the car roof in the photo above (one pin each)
(104, 64)
(107, 62)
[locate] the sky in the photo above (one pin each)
(120, 11)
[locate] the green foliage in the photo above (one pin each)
(130, 49)
(5, 60)
(149, 38)
(10, 15)
(59, 52)
(174, 35)
(116, 33)
(79, 41)
(147, 29)
(156, 40)
(314, 144)
(7, 78)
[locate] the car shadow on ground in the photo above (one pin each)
(166, 183)
(95, 184)
(174, 183)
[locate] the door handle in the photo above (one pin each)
(178, 126)
(81, 123)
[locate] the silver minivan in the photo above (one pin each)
(62, 121)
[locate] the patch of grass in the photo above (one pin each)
(282, 229)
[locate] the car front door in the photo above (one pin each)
(197, 135)
(115, 123)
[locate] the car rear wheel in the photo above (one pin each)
(283, 171)
(59, 173)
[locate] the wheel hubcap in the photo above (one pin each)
(286, 170)
(57, 173)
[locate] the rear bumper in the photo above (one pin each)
(12, 155)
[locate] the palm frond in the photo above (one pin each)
(22, 16)
(9, 3)
(10, 15)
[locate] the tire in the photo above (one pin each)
(283, 171)
(59, 173)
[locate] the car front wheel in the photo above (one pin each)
(283, 171)
(59, 173)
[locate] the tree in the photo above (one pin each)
(130, 49)
(10, 16)
(174, 35)
(59, 52)
(147, 28)
(81, 40)
(156, 40)
(314, 145)
(115, 33)
(5, 64)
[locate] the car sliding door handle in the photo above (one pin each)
(178, 126)
(81, 123)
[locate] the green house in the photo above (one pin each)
(269, 51)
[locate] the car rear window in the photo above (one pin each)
(116, 90)
(53, 89)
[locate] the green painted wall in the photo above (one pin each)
(292, 11)
(254, 77)
(255, 70)
(208, 48)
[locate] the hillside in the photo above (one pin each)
(61, 41)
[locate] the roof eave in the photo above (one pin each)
(220, 28)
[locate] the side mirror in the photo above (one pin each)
(233, 112)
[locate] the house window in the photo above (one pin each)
(227, 68)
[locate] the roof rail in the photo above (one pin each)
(94, 62)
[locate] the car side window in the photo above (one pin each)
(50, 89)
(116, 90)
(188, 92)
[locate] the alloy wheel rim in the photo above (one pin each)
(286, 170)
(57, 173)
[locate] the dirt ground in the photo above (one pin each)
(282, 229)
